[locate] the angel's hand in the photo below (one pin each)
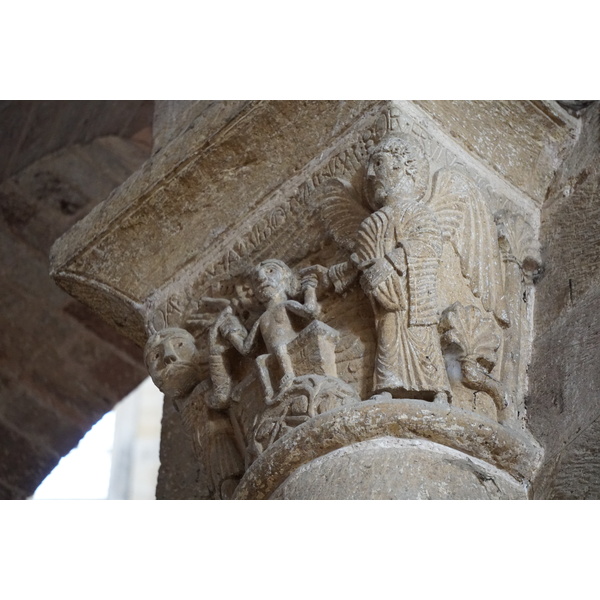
(361, 265)
(376, 274)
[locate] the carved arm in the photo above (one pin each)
(342, 276)
(233, 331)
(310, 308)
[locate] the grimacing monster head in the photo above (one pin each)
(172, 360)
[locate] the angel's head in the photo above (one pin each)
(273, 278)
(173, 361)
(398, 170)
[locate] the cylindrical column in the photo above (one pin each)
(395, 449)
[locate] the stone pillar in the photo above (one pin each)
(323, 297)
(564, 394)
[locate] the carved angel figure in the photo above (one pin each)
(395, 250)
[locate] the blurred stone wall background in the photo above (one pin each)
(61, 367)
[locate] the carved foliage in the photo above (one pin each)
(307, 397)
(476, 340)
(518, 242)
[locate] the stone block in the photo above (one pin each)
(25, 271)
(172, 117)
(573, 474)
(570, 238)
(114, 159)
(522, 141)
(92, 322)
(46, 186)
(44, 227)
(16, 208)
(313, 351)
(564, 396)
(180, 476)
(18, 344)
(130, 155)
(14, 119)
(31, 130)
(96, 378)
(11, 493)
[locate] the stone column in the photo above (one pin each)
(321, 294)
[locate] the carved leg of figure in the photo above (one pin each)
(286, 365)
(221, 379)
(219, 369)
(265, 378)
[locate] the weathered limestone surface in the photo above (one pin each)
(525, 142)
(193, 193)
(469, 436)
(388, 469)
(564, 400)
(174, 117)
(181, 477)
(296, 267)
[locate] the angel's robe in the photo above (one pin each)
(398, 250)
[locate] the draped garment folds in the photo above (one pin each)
(403, 294)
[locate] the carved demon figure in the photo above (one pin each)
(181, 373)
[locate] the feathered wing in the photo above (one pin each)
(468, 225)
(213, 441)
(342, 210)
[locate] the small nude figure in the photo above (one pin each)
(273, 283)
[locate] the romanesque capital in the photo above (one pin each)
(345, 312)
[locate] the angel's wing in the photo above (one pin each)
(468, 225)
(342, 210)
(213, 440)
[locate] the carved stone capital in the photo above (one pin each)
(369, 277)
